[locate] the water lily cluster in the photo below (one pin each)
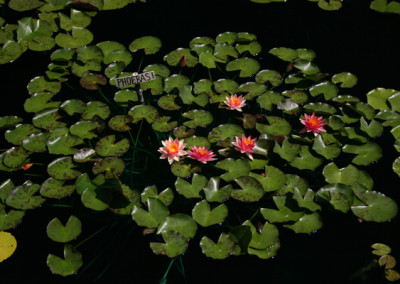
(188, 156)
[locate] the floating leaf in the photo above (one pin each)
(191, 190)
(180, 223)
(89, 200)
(183, 170)
(208, 60)
(57, 232)
(15, 157)
(174, 57)
(273, 179)
(268, 99)
(226, 37)
(166, 196)
(23, 197)
(381, 249)
(327, 151)
(10, 219)
(383, 7)
(366, 153)
(48, 119)
(198, 118)
(252, 89)
(387, 261)
(339, 195)
(246, 66)
(378, 98)
(40, 101)
(346, 79)
(307, 224)
(10, 51)
(306, 160)
(307, 67)
(110, 165)
(306, 201)
(283, 53)
(235, 168)
(120, 123)
(253, 47)
(167, 102)
(326, 88)
(197, 141)
(216, 194)
(63, 169)
(69, 265)
(53, 188)
(24, 5)
(251, 190)
(80, 37)
(224, 131)
(265, 238)
(107, 146)
(83, 129)
(271, 76)
(283, 214)
(125, 96)
(175, 81)
(277, 126)
(226, 85)
(157, 212)
(8, 244)
(73, 106)
(63, 145)
(376, 206)
(204, 216)
(8, 121)
(149, 44)
(223, 50)
(175, 244)
(220, 250)
(91, 81)
(140, 112)
(182, 132)
(41, 84)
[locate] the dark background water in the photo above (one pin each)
(354, 39)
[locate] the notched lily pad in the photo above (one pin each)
(23, 197)
(57, 232)
(246, 66)
(68, 265)
(110, 166)
(107, 146)
(149, 44)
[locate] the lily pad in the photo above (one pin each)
(162, 124)
(307, 224)
(174, 57)
(247, 66)
(15, 157)
(175, 244)
(197, 141)
(326, 88)
(149, 44)
(252, 89)
(10, 219)
(63, 145)
(378, 98)
(191, 190)
(52, 188)
(107, 146)
(48, 119)
(223, 50)
(79, 37)
(253, 47)
(235, 169)
(10, 51)
(40, 101)
(283, 214)
(346, 79)
(366, 153)
(24, 5)
(198, 118)
(206, 217)
(23, 197)
(306, 201)
(277, 126)
(9, 121)
(180, 223)
(381, 249)
(283, 53)
(68, 265)
(73, 106)
(63, 169)
(17, 135)
(166, 196)
(306, 160)
(347, 175)
(120, 123)
(110, 165)
(208, 60)
(57, 232)
(96, 108)
(91, 81)
(89, 200)
(268, 99)
(183, 132)
(84, 129)
(158, 69)
(140, 112)
(220, 250)
(273, 179)
(157, 212)
(224, 131)
(183, 170)
(226, 86)
(327, 151)
(84, 155)
(265, 237)
(251, 190)
(339, 195)
(216, 194)
(271, 76)
(167, 102)
(41, 84)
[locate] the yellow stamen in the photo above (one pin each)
(173, 148)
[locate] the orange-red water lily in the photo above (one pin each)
(313, 123)
(201, 154)
(245, 145)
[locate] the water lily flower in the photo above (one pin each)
(313, 123)
(173, 149)
(235, 102)
(200, 153)
(245, 145)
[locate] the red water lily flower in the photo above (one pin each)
(201, 154)
(173, 149)
(313, 123)
(245, 145)
(235, 102)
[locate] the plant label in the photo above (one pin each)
(135, 79)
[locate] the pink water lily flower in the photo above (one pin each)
(235, 102)
(173, 149)
(201, 154)
(313, 123)
(245, 145)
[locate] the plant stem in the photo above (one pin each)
(168, 269)
(93, 235)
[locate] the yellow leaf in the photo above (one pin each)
(8, 244)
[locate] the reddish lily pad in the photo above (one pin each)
(90, 81)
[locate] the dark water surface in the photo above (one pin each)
(354, 39)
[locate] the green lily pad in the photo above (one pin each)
(23, 197)
(327, 151)
(373, 129)
(9, 121)
(183, 132)
(306, 201)
(198, 118)
(68, 265)
(383, 6)
(174, 57)
(366, 153)
(167, 102)
(162, 124)
(40, 101)
(201, 40)
(91, 53)
(288, 106)
(183, 170)
(180, 223)
(216, 194)
(378, 98)
(235, 168)
(208, 60)
(91, 81)
(76, 19)
(157, 212)
(251, 190)
(5, 188)
(394, 101)
(156, 86)
(223, 50)
(277, 126)
(118, 56)
(175, 81)
(140, 112)
(283, 214)
(346, 79)
(320, 108)
(114, 69)
(125, 96)
(133, 197)
(332, 5)
(175, 244)
(283, 53)
(381, 249)
(396, 166)
(149, 44)
(339, 195)
(273, 179)
(96, 108)
(41, 84)
(224, 131)
(107, 146)
(120, 123)
(268, 99)
(89, 200)
(306, 67)
(253, 47)
(226, 86)
(246, 66)
(84, 129)
(206, 217)
(24, 5)
(158, 69)
(17, 135)
(109, 165)
(52, 188)
(63, 169)
(166, 196)
(252, 89)
(343, 99)
(271, 76)
(266, 238)
(306, 160)
(307, 224)
(197, 141)
(269, 252)
(73, 106)
(84, 155)
(10, 219)
(191, 190)
(10, 51)
(63, 145)
(220, 250)
(57, 232)
(113, 5)
(48, 119)
(80, 37)
(15, 157)
(376, 206)
(326, 88)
